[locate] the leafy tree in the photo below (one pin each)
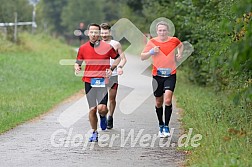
(50, 14)
(87, 11)
(133, 10)
(112, 10)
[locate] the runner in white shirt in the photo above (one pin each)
(113, 82)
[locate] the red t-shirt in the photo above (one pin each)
(96, 58)
(166, 56)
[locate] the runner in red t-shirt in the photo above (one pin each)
(96, 54)
(162, 50)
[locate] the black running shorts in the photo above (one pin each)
(160, 84)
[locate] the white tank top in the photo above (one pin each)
(113, 43)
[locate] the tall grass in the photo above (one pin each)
(32, 80)
(225, 127)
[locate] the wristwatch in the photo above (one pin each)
(119, 67)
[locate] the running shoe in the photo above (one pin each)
(110, 122)
(94, 137)
(166, 131)
(103, 122)
(160, 132)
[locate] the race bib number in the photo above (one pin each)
(98, 82)
(164, 72)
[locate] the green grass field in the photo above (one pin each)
(32, 80)
(225, 128)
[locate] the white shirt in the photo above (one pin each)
(113, 43)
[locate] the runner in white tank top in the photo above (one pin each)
(113, 81)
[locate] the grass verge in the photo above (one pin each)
(32, 80)
(225, 127)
